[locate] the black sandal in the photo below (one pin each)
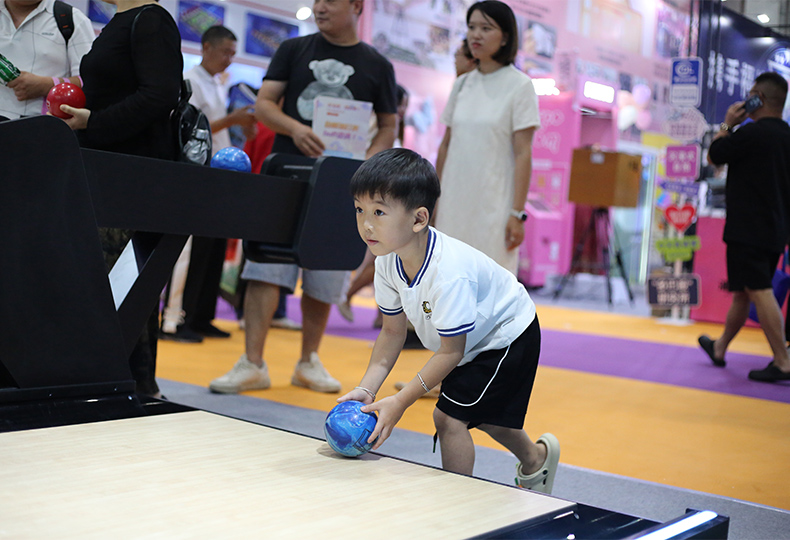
(770, 373)
(707, 345)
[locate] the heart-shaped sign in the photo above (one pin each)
(680, 218)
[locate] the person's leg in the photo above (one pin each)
(281, 319)
(142, 361)
(457, 446)
(320, 289)
(736, 318)
(531, 455)
(196, 276)
(787, 321)
(260, 303)
(770, 317)
(206, 305)
(281, 305)
(263, 292)
(250, 372)
(315, 314)
(173, 314)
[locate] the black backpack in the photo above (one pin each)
(191, 130)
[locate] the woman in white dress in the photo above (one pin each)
(485, 158)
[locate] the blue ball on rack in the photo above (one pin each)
(232, 159)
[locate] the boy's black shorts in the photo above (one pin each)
(750, 267)
(494, 388)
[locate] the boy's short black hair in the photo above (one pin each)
(215, 34)
(399, 174)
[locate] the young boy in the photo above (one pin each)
(479, 321)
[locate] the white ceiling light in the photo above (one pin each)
(303, 13)
(763, 18)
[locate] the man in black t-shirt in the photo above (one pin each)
(332, 62)
(758, 217)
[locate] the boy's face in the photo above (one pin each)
(385, 224)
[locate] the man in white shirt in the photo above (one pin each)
(192, 295)
(209, 87)
(31, 40)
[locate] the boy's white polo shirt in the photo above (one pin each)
(458, 290)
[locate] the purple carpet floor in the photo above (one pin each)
(640, 360)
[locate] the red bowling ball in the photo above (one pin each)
(64, 94)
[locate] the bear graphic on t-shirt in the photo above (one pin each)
(330, 77)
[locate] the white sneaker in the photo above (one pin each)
(313, 375)
(286, 324)
(345, 310)
(244, 376)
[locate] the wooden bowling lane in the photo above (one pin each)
(655, 432)
(199, 475)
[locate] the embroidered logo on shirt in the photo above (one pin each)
(426, 308)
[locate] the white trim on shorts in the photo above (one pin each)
(484, 389)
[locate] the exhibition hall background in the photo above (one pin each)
(624, 45)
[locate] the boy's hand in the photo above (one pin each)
(390, 409)
(356, 395)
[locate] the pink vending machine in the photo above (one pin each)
(549, 230)
(569, 120)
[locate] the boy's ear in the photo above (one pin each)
(421, 218)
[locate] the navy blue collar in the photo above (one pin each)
(428, 255)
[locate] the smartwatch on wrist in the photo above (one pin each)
(520, 215)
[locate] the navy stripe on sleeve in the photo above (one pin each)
(457, 331)
(386, 311)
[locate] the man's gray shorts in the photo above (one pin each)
(328, 286)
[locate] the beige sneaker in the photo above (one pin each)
(244, 376)
(542, 480)
(313, 375)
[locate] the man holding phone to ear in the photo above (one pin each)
(758, 217)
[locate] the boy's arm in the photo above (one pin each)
(388, 346)
(390, 409)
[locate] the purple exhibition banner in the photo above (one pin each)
(194, 18)
(735, 50)
(264, 35)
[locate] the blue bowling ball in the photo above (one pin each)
(232, 159)
(347, 428)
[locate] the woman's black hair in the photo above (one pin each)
(503, 16)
